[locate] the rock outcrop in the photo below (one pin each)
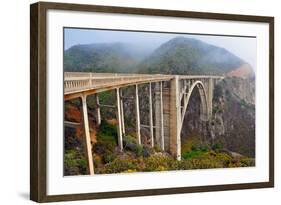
(233, 121)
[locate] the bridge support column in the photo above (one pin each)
(210, 97)
(98, 109)
(162, 117)
(175, 119)
(119, 124)
(87, 141)
(137, 114)
(151, 116)
(159, 119)
(122, 112)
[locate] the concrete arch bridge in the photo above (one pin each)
(166, 109)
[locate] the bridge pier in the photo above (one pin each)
(137, 114)
(87, 140)
(119, 120)
(151, 116)
(162, 117)
(98, 109)
(159, 119)
(122, 112)
(166, 115)
(210, 94)
(175, 119)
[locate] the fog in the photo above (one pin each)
(243, 47)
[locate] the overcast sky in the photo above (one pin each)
(243, 47)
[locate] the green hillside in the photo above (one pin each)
(189, 56)
(177, 56)
(102, 57)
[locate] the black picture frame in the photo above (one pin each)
(38, 95)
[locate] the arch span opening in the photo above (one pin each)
(194, 127)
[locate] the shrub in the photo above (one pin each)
(158, 162)
(107, 132)
(97, 160)
(157, 148)
(74, 163)
(130, 144)
(147, 151)
(161, 168)
(224, 158)
(128, 139)
(216, 147)
(82, 163)
(109, 157)
(196, 150)
(247, 162)
(139, 150)
(130, 171)
(103, 147)
(205, 163)
(119, 165)
(195, 147)
(204, 148)
(191, 154)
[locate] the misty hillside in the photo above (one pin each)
(244, 71)
(177, 56)
(102, 57)
(187, 55)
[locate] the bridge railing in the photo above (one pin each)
(80, 81)
(90, 74)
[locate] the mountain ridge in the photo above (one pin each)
(183, 55)
(179, 55)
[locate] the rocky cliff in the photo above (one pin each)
(233, 123)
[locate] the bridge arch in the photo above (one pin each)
(204, 109)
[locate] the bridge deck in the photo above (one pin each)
(76, 83)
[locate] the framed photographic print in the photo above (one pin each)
(134, 102)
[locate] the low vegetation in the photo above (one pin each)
(139, 158)
(74, 163)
